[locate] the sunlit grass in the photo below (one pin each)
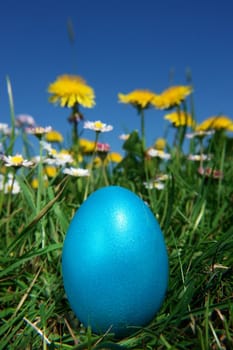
(193, 204)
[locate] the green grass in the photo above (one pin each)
(196, 216)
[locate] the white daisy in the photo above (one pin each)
(154, 184)
(199, 157)
(124, 137)
(16, 161)
(9, 185)
(78, 172)
(158, 153)
(200, 133)
(97, 126)
(59, 159)
(39, 130)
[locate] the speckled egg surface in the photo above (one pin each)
(114, 262)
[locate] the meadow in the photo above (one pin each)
(189, 191)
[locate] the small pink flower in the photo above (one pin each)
(39, 130)
(25, 120)
(210, 173)
(102, 147)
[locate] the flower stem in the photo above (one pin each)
(104, 174)
(91, 165)
(12, 114)
(9, 201)
(40, 180)
(143, 130)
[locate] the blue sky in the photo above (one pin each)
(119, 46)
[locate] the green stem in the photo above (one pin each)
(9, 207)
(143, 130)
(222, 158)
(91, 166)
(40, 181)
(104, 174)
(75, 135)
(12, 114)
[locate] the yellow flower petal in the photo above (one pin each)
(180, 119)
(216, 123)
(114, 157)
(69, 90)
(160, 144)
(171, 97)
(138, 98)
(53, 136)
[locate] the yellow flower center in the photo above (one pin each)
(18, 159)
(160, 144)
(53, 136)
(99, 125)
(53, 151)
(50, 171)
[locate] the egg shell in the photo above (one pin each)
(114, 262)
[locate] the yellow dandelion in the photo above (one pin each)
(86, 146)
(54, 136)
(97, 162)
(35, 182)
(221, 122)
(69, 90)
(50, 171)
(114, 157)
(171, 97)
(180, 119)
(160, 144)
(138, 98)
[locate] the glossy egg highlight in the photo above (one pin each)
(114, 262)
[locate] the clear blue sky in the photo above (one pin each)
(119, 46)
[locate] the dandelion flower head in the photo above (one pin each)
(53, 136)
(138, 98)
(86, 146)
(50, 171)
(69, 90)
(160, 144)
(114, 157)
(180, 119)
(221, 122)
(171, 97)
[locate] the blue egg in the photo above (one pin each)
(114, 262)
